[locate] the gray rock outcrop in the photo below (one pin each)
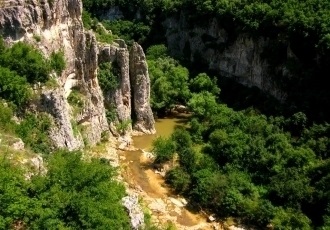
(141, 90)
(120, 97)
(52, 26)
(54, 103)
(18, 144)
(134, 86)
(131, 203)
(56, 25)
(240, 57)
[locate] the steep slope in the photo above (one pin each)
(57, 26)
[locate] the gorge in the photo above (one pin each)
(75, 86)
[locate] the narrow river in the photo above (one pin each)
(137, 170)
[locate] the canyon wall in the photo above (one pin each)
(56, 25)
(242, 57)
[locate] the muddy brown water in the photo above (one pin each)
(139, 172)
(164, 127)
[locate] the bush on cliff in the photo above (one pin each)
(74, 194)
(26, 61)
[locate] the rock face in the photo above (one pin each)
(54, 103)
(53, 26)
(240, 57)
(131, 203)
(134, 85)
(119, 98)
(141, 86)
(57, 26)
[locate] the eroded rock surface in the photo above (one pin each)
(141, 90)
(241, 57)
(53, 26)
(120, 97)
(131, 203)
(54, 103)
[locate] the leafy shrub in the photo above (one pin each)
(178, 179)
(157, 51)
(76, 100)
(169, 83)
(87, 20)
(111, 113)
(13, 87)
(26, 61)
(128, 30)
(123, 126)
(34, 132)
(6, 115)
(37, 37)
(74, 194)
(57, 62)
(108, 76)
(164, 149)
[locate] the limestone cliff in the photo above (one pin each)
(133, 87)
(141, 87)
(120, 97)
(52, 26)
(240, 57)
(56, 25)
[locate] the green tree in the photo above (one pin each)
(290, 219)
(208, 187)
(164, 149)
(14, 201)
(169, 83)
(157, 51)
(77, 194)
(178, 179)
(202, 82)
(33, 130)
(6, 123)
(57, 62)
(26, 61)
(14, 88)
(203, 105)
(108, 76)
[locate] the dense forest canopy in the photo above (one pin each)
(308, 18)
(242, 164)
(301, 26)
(261, 170)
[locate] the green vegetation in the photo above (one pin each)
(77, 100)
(74, 194)
(14, 88)
(34, 131)
(93, 24)
(37, 37)
(123, 126)
(22, 65)
(307, 19)
(57, 62)
(163, 148)
(300, 26)
(169, 80)
(26, 61)
(242, 164)
(261, 170)
(7, 125)
(109, 75)
(128, 30)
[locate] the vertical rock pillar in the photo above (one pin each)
(140, 83)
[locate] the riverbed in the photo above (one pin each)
(165, 206)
